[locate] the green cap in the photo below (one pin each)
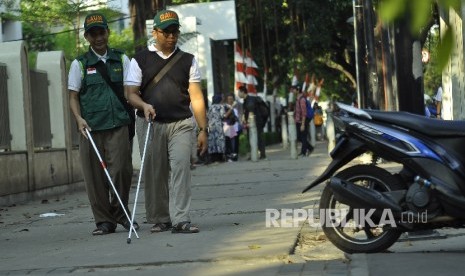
(165, 18)
(95, 20)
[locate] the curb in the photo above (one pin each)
(358, 264)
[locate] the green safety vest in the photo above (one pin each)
(100, 106)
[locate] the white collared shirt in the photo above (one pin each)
(75, 74)
(134, 75)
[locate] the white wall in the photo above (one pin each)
(10, 30)
(215, 20)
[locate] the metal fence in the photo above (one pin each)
(40, 110)
(5, 135)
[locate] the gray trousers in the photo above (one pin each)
(167, 174)
(114, 148)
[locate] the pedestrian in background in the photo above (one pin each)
(318, 121)
(231, 128)
(302, 123)
(167, 175)
(95, 85)
(216, 138)
(251, 104)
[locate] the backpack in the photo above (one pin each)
(262, 108)
(308, 105)
(318, 119)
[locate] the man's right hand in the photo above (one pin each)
(149, 112)
(82, 125)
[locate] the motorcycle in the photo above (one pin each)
(366, 207)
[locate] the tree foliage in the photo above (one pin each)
(311, 36)
(284, 36)
(41, 19)
(304, 36)
(432, 76)
(421, 13)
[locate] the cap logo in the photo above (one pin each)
(94, 19)
(167, 16)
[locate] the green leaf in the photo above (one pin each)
(391, 9)
(421, 12)
(445, 48)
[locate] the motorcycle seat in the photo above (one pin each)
(421, 124)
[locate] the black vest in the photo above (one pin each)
(170, 97)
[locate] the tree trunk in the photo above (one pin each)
(142, 10)
(409, 69)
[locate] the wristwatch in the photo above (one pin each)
(206, 129)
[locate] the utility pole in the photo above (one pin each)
(359, 42)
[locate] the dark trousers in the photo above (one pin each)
(113, 146)
(232, 145)
(304, 137)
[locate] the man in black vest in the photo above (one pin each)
(167, 103)
(97, 103)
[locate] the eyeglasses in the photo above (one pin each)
(167, 33)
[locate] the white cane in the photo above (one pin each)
(104, 166)
(140, 177)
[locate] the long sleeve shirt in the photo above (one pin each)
(300, 110)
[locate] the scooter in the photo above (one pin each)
(364, 208)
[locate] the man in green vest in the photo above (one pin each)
(96, 93)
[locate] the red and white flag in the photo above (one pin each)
(246, 70)
(239, 74)
(251, 72)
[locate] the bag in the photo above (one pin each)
(263, 109)
(231, 119)
(318, 119)
(308, 105)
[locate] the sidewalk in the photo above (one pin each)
(229, 205)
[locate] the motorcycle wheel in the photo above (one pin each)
(360, 239)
